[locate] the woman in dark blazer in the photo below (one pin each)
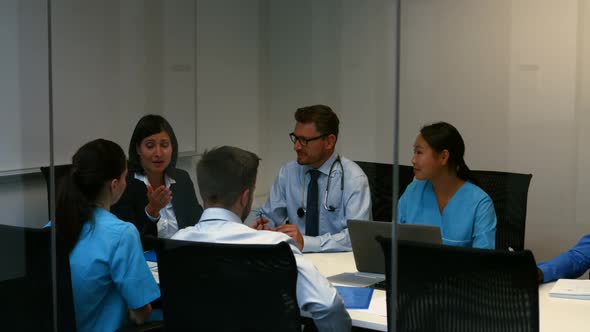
(160, 199)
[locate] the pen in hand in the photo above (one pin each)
(261, 223)
(260, 218)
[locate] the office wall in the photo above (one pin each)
(511, 75)
(258, 61)
(250, 58)
(230, 64)
(582, 115)
(112, 62)
(24, 96)
(338, 53)
(23, 68)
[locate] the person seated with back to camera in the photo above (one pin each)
(227, 178)
(111, 283)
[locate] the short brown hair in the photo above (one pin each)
(325, 120)
(224, 173)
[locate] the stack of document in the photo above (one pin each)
(571, 289)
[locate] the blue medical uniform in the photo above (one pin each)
(109, 274)
(468, 219)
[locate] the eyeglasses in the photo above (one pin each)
(302, 140)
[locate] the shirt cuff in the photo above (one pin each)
(548, 275)
(152, 218)
(311, 243)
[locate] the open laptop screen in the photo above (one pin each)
(368, 255)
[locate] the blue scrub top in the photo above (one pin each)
(468, 220)
(109, 274)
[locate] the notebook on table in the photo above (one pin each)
(571, 289)
(368, 255)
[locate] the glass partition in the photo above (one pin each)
(510, 75)
(230, 72)
(25, 276)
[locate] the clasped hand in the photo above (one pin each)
(261, 223)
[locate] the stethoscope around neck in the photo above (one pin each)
(301, 210)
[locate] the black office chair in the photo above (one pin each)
(27, 299)
(509, 192)
(380, 178)
(445, 288)
(227, 287)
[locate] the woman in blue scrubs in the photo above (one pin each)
(112, 285)
(444, 193)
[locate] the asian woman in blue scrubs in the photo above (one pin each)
(444, 193)
(112, 285)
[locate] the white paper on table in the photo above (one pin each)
(378, 306)
(572, 289)
(153, 266)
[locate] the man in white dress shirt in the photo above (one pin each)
(227, 178)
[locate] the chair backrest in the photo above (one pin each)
(60, 172)
(380, 178)
(227, 287)
(509, 192)
(27, 299)
(446, 288)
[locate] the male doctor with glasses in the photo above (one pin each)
(313, 197)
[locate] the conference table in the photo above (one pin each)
(555, 314)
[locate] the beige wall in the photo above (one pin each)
(512, 75)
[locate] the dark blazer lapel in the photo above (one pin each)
(176, 199)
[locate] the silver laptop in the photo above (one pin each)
(368, 255)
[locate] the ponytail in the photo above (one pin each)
(464, 173)
(443, 136)
(73, 209)
(93, 165)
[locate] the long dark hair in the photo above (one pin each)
(93, 165)
(149, 125)
(444, 136)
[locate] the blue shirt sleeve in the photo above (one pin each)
(484, 228)
(403, 204)
(130, 272)
(275, 208)
(570, 264)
